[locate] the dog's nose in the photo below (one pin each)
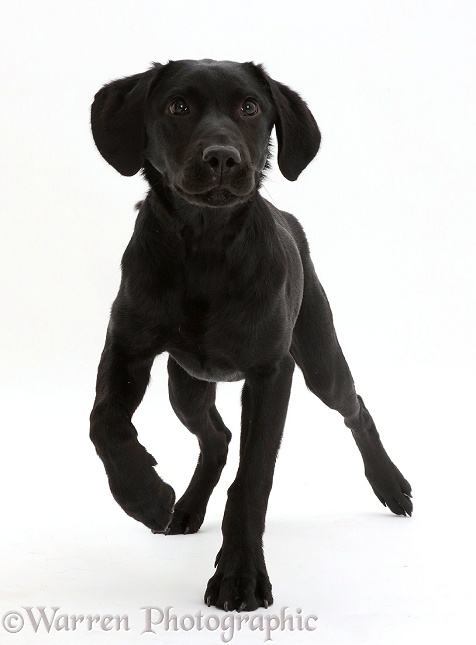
(221, 158)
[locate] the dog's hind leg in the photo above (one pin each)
(316, 350)
(194, 403)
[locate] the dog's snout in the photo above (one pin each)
(221, 158)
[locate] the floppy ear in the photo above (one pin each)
(117, 120)
(296, 130)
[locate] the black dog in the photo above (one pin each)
(221, 280)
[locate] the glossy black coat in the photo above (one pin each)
(223, 282)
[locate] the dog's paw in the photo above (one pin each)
(184, 521)
(153, 506)
(240, 592)
(140, 492)
(391, 488)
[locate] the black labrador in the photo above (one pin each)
(222, 280)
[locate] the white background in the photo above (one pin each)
(388, 206)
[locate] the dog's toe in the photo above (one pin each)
(240, 592)
(392, 489)
(184, 522)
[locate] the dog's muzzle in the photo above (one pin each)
(218, 176)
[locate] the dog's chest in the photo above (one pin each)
(218, 285)
(226, 307)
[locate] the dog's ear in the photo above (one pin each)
(296, 129)
(117, 120)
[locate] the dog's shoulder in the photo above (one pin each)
(291, 225)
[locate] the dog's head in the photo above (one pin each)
(205, 127)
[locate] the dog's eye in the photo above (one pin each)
(249, 107)
(179, 107)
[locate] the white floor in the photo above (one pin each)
(332, 550)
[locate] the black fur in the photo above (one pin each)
(221, 280)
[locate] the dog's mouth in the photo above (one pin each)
(214, 198)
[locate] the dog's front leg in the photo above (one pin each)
(136, 487)
(241, 581)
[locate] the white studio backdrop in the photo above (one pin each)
(388, 207)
